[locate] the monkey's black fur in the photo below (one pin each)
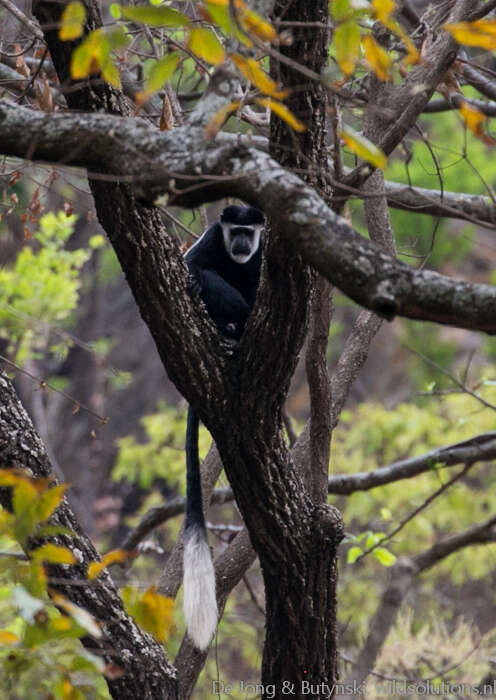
(227, 287)
(224, 265)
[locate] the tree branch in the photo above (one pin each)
(481, 447)
(19, 15)
(476, 449)
(401, 577)
(171, 162)
(142, 659)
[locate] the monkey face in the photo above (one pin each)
(241, 242)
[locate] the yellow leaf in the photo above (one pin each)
(205, 44)
(473, 118)
(282, 112)
(363, 147)
(92, 56)
(218, 12)
(12, 477)
(8, 637)
(110, 73)
(72, 21)
(252, 70)
(69, 691)
(159, 614)
(476, 121)
(413, 55)
(347, 45)
(383, 9)
(481, 33)
(217, 121)
(61, 624)
(378, 59)
(53, 554)
(151, 610)
(49, 500)
(116, 556)
(254, 24)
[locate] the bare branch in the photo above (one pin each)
(170, 161)
(438, 492)
(478, 80)
(400, 105)
(456, 205)
(320, 391)
(481, 447)
(401, 577)
(476, 449)
(19, 15)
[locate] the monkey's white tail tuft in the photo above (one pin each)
(200, 604)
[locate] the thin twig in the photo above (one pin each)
(415, 512)
(44, 384)
(28, 23)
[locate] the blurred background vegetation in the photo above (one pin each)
(88, 373)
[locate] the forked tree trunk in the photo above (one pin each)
(239, 394)
(296, 540)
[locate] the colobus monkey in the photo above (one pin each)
(224, 265)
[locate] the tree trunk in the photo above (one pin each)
(295, 539)
(147, 674)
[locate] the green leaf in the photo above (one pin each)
(115, 10)
(363, 147)
(386, 514)
(117, 38)
(205, 44)
(340, 10)
(155, 16)
(353, 554)
(347, 44)
(72, 21)
(161, 71)
(54, 554)
(384, 556)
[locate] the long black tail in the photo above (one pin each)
(200, 604)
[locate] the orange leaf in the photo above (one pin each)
(475, 121)
(282, 112)
(378, 59)
(252, 70)
(116, 556)
(217, 121)
(481, 33)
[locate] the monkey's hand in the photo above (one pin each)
(231, 330)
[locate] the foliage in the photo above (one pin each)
(39, 646)
(42, 288)
(372, 436)
(162, 454)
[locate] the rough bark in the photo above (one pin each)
(147, 673)
(367, 274)
(297, 543)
